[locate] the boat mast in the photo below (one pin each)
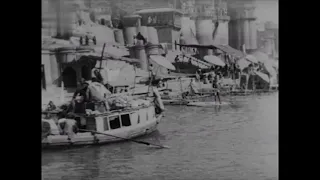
(104, 45)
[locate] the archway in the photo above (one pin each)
(69, 77)
(103, 21)
(86, 73)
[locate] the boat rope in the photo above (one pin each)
(128, 139)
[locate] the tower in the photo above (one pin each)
(206, 14)
(243, 29)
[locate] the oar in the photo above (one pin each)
(136, 141)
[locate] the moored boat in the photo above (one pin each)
(119, 124)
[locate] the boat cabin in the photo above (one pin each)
(121, 119)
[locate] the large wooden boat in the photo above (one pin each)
(126, 123)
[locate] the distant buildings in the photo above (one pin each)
(268, 39)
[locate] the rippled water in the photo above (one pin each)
(234, 142)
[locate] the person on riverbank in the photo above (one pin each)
(193, 88)
(216, 87)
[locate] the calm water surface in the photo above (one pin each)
(238, 141)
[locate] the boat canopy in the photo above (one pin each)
(251, 58)
(162, 61)
(214, 60)
(263, 76)
(243, 63)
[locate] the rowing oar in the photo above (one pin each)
(136, 141)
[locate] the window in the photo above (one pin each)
(105, 124)
(125, 119)
(114, 122)
(43, 79)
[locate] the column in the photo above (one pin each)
(129, 33)
(55, 69)
(253, 35)
(246, 33)
(140, 54)
(118, 36)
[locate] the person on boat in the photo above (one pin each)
(82, 91)
(98, 75)
(68, 125)
(176, 59)
(51, 106)
(216, 88)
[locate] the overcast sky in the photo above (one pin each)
(267, 10)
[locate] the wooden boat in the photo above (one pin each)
(126, 123)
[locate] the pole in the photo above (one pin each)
(104, 45)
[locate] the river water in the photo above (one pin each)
(232, 142)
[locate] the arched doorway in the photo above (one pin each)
(86, 73)
(103, 21)
(69, 77)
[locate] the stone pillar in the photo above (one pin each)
(129, 33)
(152, 35)
(140, 54)
(79, 74)
(45, 60)
(253, 35)
(240, 41)
(55, 69)
(118, 36)
(204, 30)
(246, 34)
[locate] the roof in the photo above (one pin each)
(97, 56)
(230, 50)
(224, 48)
(132, 16)
(157, 10)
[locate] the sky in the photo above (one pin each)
(267, 10)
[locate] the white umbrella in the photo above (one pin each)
(275, 64)
(172, 55)
(263, 76)
(260, 56)
(268, 66)
(114, 51)
(243, 63)
(214, 60)
(162, 61)
(251, 58)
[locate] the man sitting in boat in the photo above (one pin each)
(68, 126)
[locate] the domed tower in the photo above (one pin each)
(211, 21)
(243, 29)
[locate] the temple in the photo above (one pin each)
(73, 29)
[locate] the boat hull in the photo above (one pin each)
(83, 139)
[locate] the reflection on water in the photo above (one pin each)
(237, 141)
